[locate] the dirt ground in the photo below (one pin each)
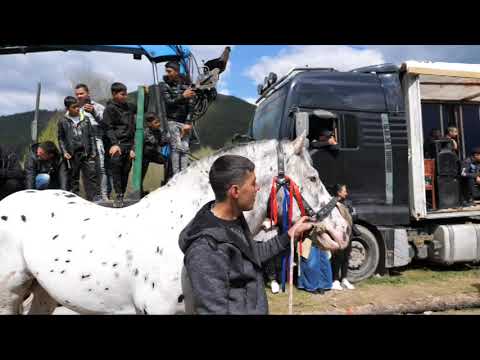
(414, 284)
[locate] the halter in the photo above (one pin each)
(283, 181)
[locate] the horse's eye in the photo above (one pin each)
(313, 178)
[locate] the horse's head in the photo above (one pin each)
(298, 166)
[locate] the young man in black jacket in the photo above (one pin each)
(77, 143)
(223, 264)
(45, 159)
(119, 121)
(178, 99)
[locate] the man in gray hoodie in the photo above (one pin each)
(223, 264)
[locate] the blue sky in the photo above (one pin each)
(58, 71)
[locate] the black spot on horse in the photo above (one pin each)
(180, 298)
(153, 285)
(24, 218)
(83, 236)
(85, 276)
(115, 265)
(89, 290)
(119, 236)
(63, 271)
(4, 218)
(104, 263)
(86, 219)
(145, 311)
(67, 302)
(138, 215)
(51, 271)
(70, 196)
(146, 278)
(91, 251)
(181, 216)
(56, 236)
(53, 215)
(56, 259)
(69, 250)
(67, 261)
(106, 289)
(135, 272)
(71, 203)
(30, 191)
(271, 168)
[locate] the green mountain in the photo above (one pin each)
(226, 116)
(15, 130)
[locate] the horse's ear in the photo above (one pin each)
(299, 143)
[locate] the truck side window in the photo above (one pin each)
(347, 131)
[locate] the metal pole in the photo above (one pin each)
(139, 137)
(34, 129)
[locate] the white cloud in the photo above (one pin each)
(340, 57)
(19, 75)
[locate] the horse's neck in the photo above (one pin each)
(191, 189)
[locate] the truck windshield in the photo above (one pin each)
(268, 116)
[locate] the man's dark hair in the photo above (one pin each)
(337, 188)
(49, 147)
(173, 65)
(69, 101)
(82, 86)
(476, 150)
(117, 87)
(226, 171)
(149, 117)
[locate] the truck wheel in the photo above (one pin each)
(364, 257)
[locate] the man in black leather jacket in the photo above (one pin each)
(45, 158)
(77, 143)
(178, 101)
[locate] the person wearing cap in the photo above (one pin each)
(470, 174)
(178, 98)
(326, 140)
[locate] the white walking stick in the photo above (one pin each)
(290, 294)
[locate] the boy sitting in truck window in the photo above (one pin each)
(326, 140)
(470, 174)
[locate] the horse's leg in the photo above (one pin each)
(42, 303)
(15, 279)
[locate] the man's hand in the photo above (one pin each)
(300, 227)
(89, 108)
(189, 93)
(186, 129)
(115, 149)
(132, 154)
(332, 141)
(67, 156)
(477, 180)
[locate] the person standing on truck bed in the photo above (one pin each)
(470, 173)
(428, 147)
(119, 120)
(452, 135)
(178, 99)
(77, 144)
(94, 111)
(340, 258)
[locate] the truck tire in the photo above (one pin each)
(364, 257)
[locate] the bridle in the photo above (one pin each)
(282, 181)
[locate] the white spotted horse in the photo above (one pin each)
(96, 260)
